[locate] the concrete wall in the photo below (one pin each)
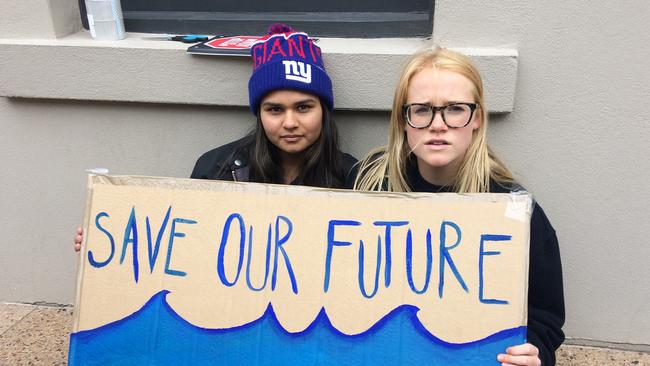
(576, 136)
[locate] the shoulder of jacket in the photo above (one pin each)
(226, 157)
(225, 152)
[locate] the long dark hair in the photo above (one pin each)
(322, 163)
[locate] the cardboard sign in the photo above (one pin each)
(192, 272)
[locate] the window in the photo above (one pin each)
(333, 18)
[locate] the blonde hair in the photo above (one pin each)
(384, 169)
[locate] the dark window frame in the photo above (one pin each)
(335, 18)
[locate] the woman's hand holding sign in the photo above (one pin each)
(524, 355)
(79, 237)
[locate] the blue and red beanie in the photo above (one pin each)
(286, 59)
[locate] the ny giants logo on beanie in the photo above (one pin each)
(296, 70)
(286, 59)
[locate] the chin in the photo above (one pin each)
(439, 165)
(436, 161)
(293, 149)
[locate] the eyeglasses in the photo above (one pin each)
(455, 115)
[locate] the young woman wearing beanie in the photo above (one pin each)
(295, 139)
(438, 143)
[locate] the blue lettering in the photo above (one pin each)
(331, 243)
(250, 255)
(362, 286)
(409, 262)
(174, 234)
(91, 258)
(222, 248)
(387, 240)
(278, 247)
(445, 256)
(482, 253)
(153, 252)
(131, 229)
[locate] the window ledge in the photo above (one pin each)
(364, 71)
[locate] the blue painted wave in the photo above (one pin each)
(157, 335)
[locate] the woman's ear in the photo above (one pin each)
(477, 119)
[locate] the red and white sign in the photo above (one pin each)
(234, 43)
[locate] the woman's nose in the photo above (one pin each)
(290, 120)
(438, 123)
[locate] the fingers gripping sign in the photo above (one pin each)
(524, 355)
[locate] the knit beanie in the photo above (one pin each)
(286, 59)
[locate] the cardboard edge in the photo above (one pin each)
(228, 186)
(520, 207)
(80, 260)
(526, 261)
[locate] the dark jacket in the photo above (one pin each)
(231, 162)
(545, 289)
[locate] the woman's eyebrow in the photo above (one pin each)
(300, 102)
(305, 101)
(445, 103)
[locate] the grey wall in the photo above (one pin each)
(577, 137)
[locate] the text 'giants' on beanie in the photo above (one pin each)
(286, 59)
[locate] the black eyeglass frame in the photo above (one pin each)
(435, 109)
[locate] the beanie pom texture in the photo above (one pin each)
(280, 28)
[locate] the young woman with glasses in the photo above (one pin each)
(438, 143)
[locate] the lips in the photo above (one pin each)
(437, 142)
(291, 138)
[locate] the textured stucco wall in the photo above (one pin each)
(39, 18)
(578, 138)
